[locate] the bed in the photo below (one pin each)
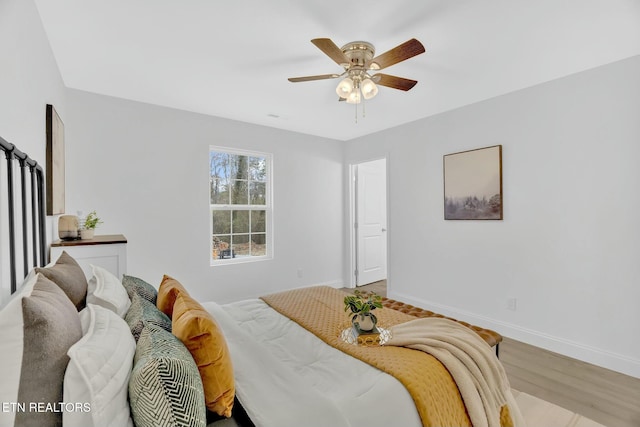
(115, 351)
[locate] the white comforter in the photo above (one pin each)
(286, 376)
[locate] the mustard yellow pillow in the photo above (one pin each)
(200, 333)
(167, 293)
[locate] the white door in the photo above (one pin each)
(371, 222)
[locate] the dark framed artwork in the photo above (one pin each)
(473, 184)
(55, 162)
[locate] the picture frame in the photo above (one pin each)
(55, 162)
(473, 184)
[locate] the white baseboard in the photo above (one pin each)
(596, 356)
(338, 283)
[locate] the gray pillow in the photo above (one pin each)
(165, 388)
(51, 327)
(135, 285)
(141, 313)
(67, 274)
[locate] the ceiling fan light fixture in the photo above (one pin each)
(369, 88)
(358, 58)
(345, 87)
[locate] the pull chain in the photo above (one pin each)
(356, 110)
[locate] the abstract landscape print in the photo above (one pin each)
(473, 184)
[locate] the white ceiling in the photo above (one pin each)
(232, 58)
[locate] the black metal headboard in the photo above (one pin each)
(33, 226)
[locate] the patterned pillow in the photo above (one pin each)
(165, 388)
(135, 285)
(141, 313)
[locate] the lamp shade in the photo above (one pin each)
(354, 97)
(369, 89)
(345, 87)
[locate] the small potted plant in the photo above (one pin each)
(361, 305)
(89, 225)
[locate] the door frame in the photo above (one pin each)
(353, 241)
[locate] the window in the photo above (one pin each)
(240, 199)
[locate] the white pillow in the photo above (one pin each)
(106, 290)
(12, 339)
(98, 371)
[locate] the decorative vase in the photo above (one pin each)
(87, 233)
(68, 227)
(365, 322)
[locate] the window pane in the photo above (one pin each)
(219, 177)
(219, 191)
(241, 244)
(239, 193)
(257, 169)
(238, 166)
(219, 165)
(258, 219)
(258, 193)
(240, 222)
(258, 245)
(221, 222)
(221, 247)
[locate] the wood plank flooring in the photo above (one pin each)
(606, 397)
(379, 288)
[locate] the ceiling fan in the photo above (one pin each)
(357, 59)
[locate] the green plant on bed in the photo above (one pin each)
(91, 221)
(362, 304)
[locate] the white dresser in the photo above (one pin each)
(106, 251)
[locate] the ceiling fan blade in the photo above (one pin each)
(406, 50)
(393, 81)
(310, 78)
(332, 51)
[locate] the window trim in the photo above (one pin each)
(267, 207)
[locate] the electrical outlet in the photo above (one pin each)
(512, 304)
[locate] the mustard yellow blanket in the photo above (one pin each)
(320, 310)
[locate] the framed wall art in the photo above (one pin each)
(473, 184)
(55, 162)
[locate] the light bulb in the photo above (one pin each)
(369, 89)
(354, 97)
(345, 87)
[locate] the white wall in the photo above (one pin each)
(145, 170)
(568, 247)
(29, 79)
